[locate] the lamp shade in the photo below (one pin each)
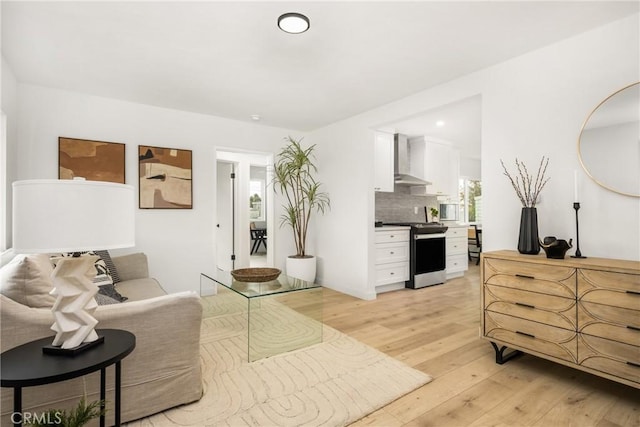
(51, 215)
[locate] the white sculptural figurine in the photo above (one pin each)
(75, 304)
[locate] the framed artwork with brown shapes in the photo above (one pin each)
(165, 178)
(92, 160)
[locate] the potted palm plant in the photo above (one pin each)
(294, 179)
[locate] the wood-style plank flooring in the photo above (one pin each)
(436, 330)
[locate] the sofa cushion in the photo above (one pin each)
(26, 279)
(140, 289)
(131, 266)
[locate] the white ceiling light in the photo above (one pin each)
(293, 23)
(256, 117)
(440, 123)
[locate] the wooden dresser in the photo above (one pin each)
(583, 313)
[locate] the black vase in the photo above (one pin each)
(528, 240)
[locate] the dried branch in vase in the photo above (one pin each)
(527, 190)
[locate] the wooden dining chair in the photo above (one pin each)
(258, 237)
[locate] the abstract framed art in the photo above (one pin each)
(165, 178)
(92, 160)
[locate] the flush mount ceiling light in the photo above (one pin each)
(293, 23)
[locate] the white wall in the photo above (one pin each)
(179, 243)
(470, 168)
(533, 105)
(9, 98)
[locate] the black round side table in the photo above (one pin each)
(27, 366)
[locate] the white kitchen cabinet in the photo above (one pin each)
(383, 162)
(457, 247)
(391, 258)
(441, 168)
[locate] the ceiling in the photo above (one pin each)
(230, 60)
(458, 123)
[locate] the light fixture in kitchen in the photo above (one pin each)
(293, 23)
(440, 123)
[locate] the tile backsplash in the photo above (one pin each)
(399, 206)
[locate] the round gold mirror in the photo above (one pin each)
(609, 142)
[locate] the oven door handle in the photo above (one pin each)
(428, 236)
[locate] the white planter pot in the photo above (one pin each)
(302, 268)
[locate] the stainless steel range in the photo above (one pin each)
(428, 254)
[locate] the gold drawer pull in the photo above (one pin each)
(633, 364)
(633, 328)
(525, 334)
(525, 276)
(633, 292)
(525, 305)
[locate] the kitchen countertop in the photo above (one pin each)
(392, 227)
(455, 224)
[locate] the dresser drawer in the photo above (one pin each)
(619, 324)
(392, 236)
(456, 246)
(546, 309)
(454, 232)
(612, 357)
(392, 273)
(545, 279)
(548, 340)
(615, 289)
(457, 263)
(392, 252)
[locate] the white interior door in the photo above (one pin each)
(225, 215)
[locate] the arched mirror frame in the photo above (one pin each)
(596, 180)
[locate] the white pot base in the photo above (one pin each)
(301, 268)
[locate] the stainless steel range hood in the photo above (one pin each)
(402, 163)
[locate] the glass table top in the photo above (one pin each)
(281, 285)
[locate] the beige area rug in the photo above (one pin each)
(333, 383)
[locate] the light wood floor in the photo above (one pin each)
(436, 330)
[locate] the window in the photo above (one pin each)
(470, 200)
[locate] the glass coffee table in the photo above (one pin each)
(280, 315)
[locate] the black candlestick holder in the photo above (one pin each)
(576, 206)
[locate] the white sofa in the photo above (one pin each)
(162, 372)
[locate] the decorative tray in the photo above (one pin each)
(255, 274)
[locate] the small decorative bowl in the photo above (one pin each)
(256, 274)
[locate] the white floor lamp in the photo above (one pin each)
(61, 216)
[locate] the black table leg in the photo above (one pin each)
(17, 406)
(118, 379)
(103, 387)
